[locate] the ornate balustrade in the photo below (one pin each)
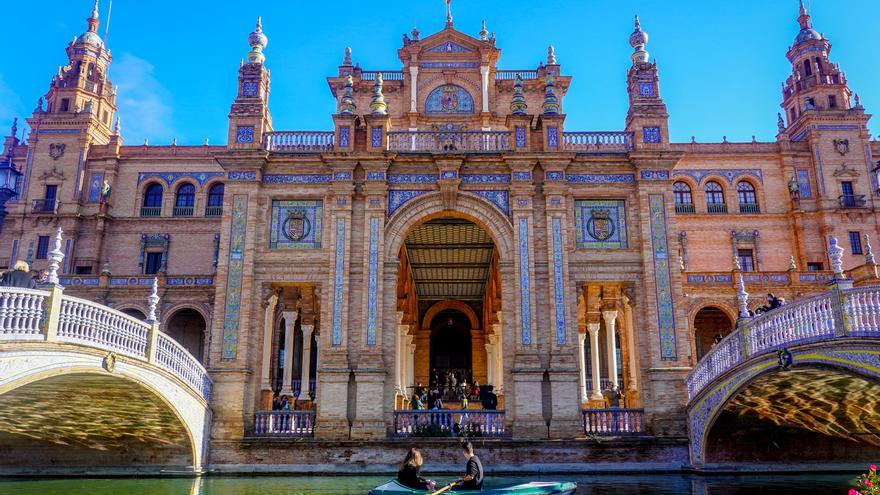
(299, 141)
(45, 206)
(88, 323)
(21, 313)
(449, 142)
(614, 421)
(387, 75)
(284, 423)
(598, 142)
(837, 314)
(509, 75)
(448, 422)
(768, 279)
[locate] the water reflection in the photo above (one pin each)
(338, 485)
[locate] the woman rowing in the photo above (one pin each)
(409, 474)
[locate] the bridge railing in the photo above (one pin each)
(173, 357)
(448, 422)
(21, 313)
(284, 423)
(86, 322)
(614, 421)
(840, 313)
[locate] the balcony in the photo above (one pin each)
(299, 141)
(387, 75)
(214, 211)
(448, 423)
(284, 423)
(716, 208)
(449, 142)
(685, 208)
(852, 201)
(151, 211)
(182, 211)
(749, 208)
(613, 422)
(510, 75)
(598, 142)
(45, 206)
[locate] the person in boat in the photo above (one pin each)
(409, 474)
(473, 470)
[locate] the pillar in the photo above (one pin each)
(611, 330)
(399, 361)
(414, 89)
(289, 325)
(582, 364)
(484, 72)
(490, 359)
(268, 325)
(498, 361)
(305, 388)
(596, 393)
(410, 361)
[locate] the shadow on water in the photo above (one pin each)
(345, 485)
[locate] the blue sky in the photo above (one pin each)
(721, 62)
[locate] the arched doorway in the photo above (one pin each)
(187, 327)
(451, 348)
(709, 323)
(136, 313)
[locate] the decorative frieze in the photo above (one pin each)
(601, 178)
(397, 198)
(172, 177)
(525, 283)
(501, 199)
(662, 276)
(338, 275)
(297, 178)
(234, 277)
(730, 174)
(373, 281)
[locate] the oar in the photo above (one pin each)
(445, 488)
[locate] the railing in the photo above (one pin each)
(387, 75)
(21, 313)
(614, 421)
(812, 319)
(852, 201)
(449, 142)
(598, 142)
(749, 208)
(284, 423)
(151, 211)
(49, 206)
(509, 75)
(173, 357)
(449, 423)
(214, 211)
(716, 208)
(86, 322)
(299, 141)
(183, 211)
(685, 208)
(604, 383)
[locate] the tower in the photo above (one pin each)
(647, 117)
(249, 118)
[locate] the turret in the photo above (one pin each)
(647, 117)
(249, 118)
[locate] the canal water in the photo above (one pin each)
(814, 484)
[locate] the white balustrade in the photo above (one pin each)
(614, 421)
(21, 313)
(174, 358)
(449, 141)
(299, 141)
(449, 422)
(863, 306)
(597, 142)
(284, 423)
(92, 324)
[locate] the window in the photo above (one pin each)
(815, 267)
(855, 242)
(65, 105)
(684, 199)
(746, 259)
(715, 198)
(42, 247)
(846, 188)
(185, 200)
(83, 270)
(748, 201)
(153, 263)
(152, 206)
(793, 115)
(808, 69)
(51, 193)
(832, 101)
(215, 201)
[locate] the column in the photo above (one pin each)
(498, 351)
(582, 365)
(611, 331)
(596, 393)
(410, 361)
(490, 359)
(401, 358)
(289, 325)
(268, 324)
(414, 89)
(306, 361)
(484, 71)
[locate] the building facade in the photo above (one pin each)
(449, 222)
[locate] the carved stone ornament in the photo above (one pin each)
(842, 146)
(846, 170)
(109, 362)
(56, 150)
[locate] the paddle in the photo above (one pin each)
(445, 488)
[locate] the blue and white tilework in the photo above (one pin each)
(376, 137)
(654, 174)
(601, 223)
(296, 224)
(501, 199)
(520, 136)
(449, 65)
(373, 281)
(239, 176)
(244, 134)
(449, 100)
(250, 89)
(397, 198)
(448, 47)
(601, 178)
(375, 175)
(731, 174)
(485, 178)
(297, 178)
(344, 136)
(448, 174)
(651, 135)
(200, 177)
(558, 284)
(554, 176)
(553, 137)
(803, 180)
(342, 176)
(524, 176)
(525, 283)
(646, 89)
(95, 184)
(339, 269)
(235, 275)
(413, 178)
(662, 276)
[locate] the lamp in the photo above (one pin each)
(8, 179)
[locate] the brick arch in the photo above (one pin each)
(724, 306)
(468, 207)
(461, 306)
(170, 313)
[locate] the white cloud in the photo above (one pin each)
(10, 107)
(144, 104)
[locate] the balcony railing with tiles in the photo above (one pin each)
(852, 201)
(45, 206)
(387, 75)
(151, 211)
(299, 141)
(614, 421)
(762, 278)
(685, 208)
(716, 208)
(509, 75)
(214, 211)
(749, 208)
(598, 142)
(183, 211)
(449, 142)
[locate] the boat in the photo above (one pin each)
(534, 488)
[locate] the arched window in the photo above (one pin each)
(684, 199)
(715, 198)
(215, 201)
(152, 205)
(748, 201)
(185, 200)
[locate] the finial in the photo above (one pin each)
(258, 42)
(95, 10)
(484, 34)
(346, 60)
(518, 104)
(56, 256)
(153, 301)
(415, 33)
(93, 20)
(791, 264)
(638, 39)
(346, 104)
(448, 13)
(118, 125)
(742, 296)
(835, 254)
(39, 108)
(551, 103)
(146, 141)
(858, 101)
(174, 141)
(736, 264)
(377, 104)
(780, 123)
(551, 55)
(206, 141)
(803, 10)
(14, 130)
(869, 252)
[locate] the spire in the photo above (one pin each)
(804, 17)
(551, 55)
(258, 42)
(484, 34)
(551, 103)
(415, 33)
(806, 22)
(93, 20)
(518, 103)
(377, 104)
(448, 13)
(869, 251)
(118, 126)
(346, 60)
(346, 104)
(638, 39)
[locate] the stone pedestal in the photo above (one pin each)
(332, 405)
(369, 422)
(567, 420)
(528, 419)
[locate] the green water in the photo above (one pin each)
(338, 485)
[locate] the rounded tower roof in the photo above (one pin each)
(91, 35)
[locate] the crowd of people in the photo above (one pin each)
(424, 398)
(22, 276)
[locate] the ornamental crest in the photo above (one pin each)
(449, 99)
(56, 150)
(842, 146)
(109, 362)
(600, 226)
(297, 225)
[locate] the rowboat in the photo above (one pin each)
(533, 488)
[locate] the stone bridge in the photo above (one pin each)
(809, 370)
(84, 386)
